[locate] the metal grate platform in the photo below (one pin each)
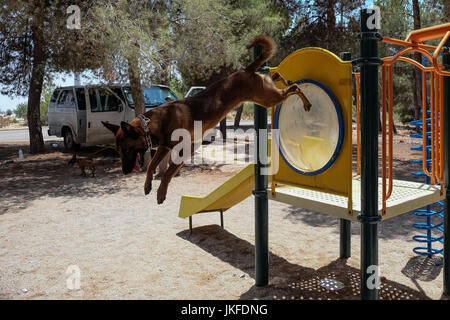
(406, 196)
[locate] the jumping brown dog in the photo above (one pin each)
(209, 106)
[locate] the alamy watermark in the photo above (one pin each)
(73, 280)
(374, 21)
(74, 19)
(238, 149)
(373, 281)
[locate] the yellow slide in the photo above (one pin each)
(234, 190)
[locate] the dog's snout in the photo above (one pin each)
(126, 171)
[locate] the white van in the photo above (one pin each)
(75, 113)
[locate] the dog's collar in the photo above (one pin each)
(145, 122)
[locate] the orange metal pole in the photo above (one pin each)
(383, 138)
(436, 125)
(391, 128)
(433, 137)
(408, 44)
(436, 65)
(441, 133)
(424, 124)
(358, 136)
(429, 33)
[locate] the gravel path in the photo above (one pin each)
(55, 224)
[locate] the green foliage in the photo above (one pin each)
(21, 110)
(46, 95)
(210, 36)
(178, 86)
(247, 111)
(47, 91)
(396, 22)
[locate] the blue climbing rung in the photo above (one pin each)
(429, 211)
(419, 148)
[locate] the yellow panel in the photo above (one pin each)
(230, 193)
(325, 67)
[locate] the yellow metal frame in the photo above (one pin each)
(327, 68)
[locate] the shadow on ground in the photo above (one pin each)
(290, 281)
(48, 175)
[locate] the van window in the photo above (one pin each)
(66, 99)
(61, 98)
(103, 100)
(54, 96)
(69, 102)
(153, 96)
(119, 93)
(81, 98)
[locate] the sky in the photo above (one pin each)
(7, 102)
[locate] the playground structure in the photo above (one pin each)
(312, 152)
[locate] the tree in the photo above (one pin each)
(136, 31)
(329, 24)
(21, 110)
(36, 46)
(209, 37)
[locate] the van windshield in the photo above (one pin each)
(153, 96)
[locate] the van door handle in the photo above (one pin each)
(89, 124)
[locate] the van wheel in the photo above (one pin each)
(69, 143)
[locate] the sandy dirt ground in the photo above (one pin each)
(125, 246)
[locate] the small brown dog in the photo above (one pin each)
(83, 164)
(209, 106)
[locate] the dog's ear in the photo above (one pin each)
(111, 127)
(129, 130)
(168, 99)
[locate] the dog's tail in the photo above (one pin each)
(269, 48)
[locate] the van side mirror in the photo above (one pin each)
(120, 107)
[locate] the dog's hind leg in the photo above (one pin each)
(159, 155)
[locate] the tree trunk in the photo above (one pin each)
(445, 11)
(416, 73)
(237, 118)
(36, 81)
(137, 92)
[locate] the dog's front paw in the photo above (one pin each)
(161, 196)
(307, 106)
(147, 187)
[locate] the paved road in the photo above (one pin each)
(21, 135)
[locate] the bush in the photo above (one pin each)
(21, 110)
